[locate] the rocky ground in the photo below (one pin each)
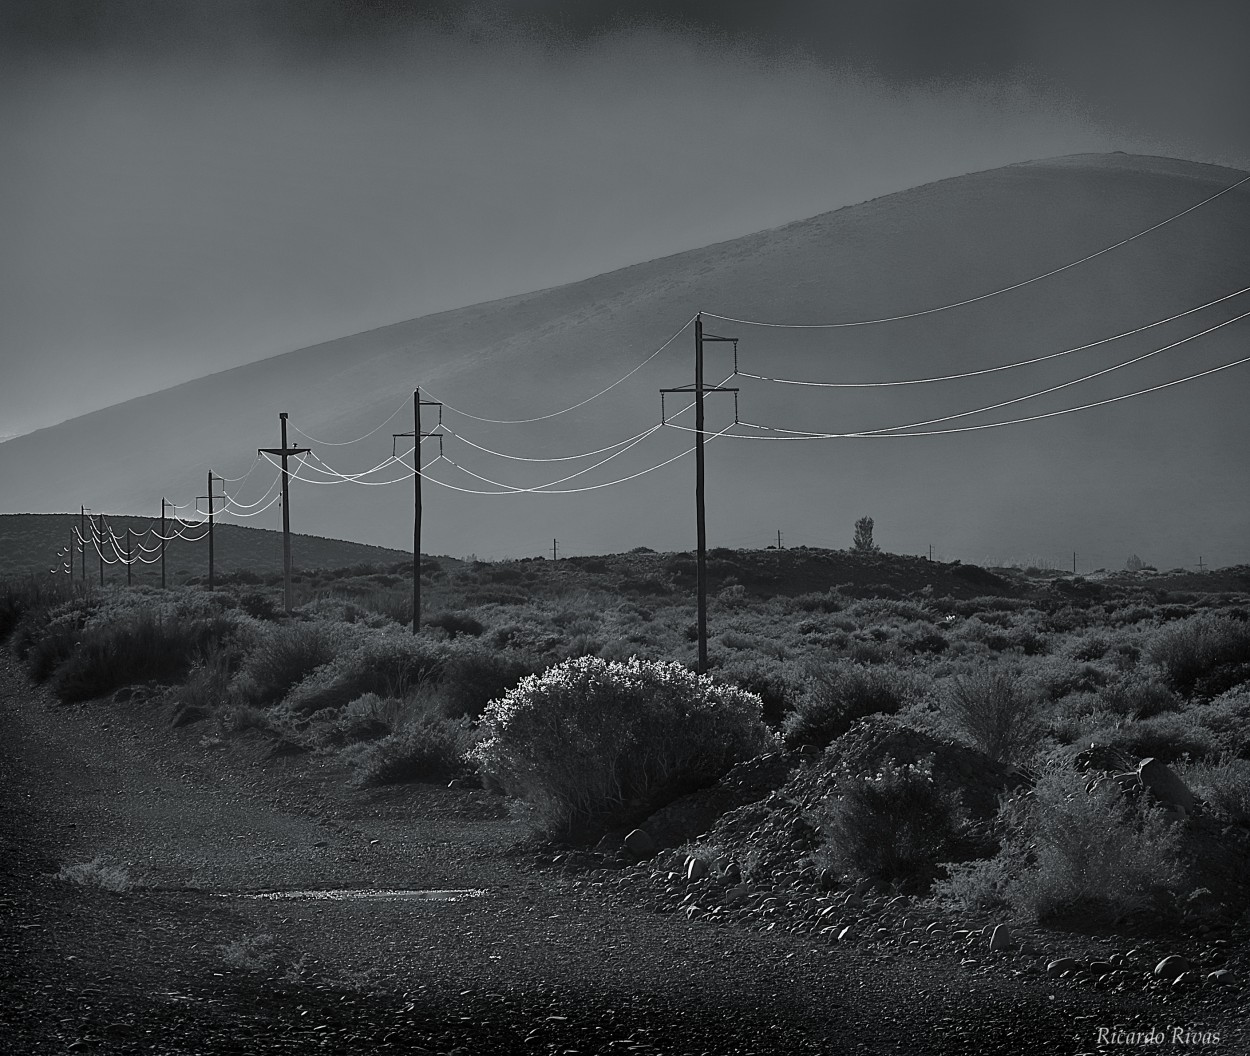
(547, 950)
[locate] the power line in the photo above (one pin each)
(987, 425)
(897, 429)
(983, 296)
(581, 403)
(344, 443)
(990, 370)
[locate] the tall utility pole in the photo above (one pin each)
(129, 551)
(285, 453)
(1074, 562)
(778, 538)
(555, 550)
(82, 539)
(700, 517)
(163, 541)
(98, 538)
(417, 437)
(212, 563)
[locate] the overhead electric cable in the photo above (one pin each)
(575, 406)
(796, 435)
(236, 480)
(983, 296)
(344, 443)
(554, 458)
(990, 370)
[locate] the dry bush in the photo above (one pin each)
(1223, 784)
(140, 647)
(892, 825)
(994, 710)
(1194, 650)
(427, 747)
(838, 693)
(284, 655)
(593, 743)
(390, 665)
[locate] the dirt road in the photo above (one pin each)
(188, 961)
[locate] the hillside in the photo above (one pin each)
(1160, 475)
(29, 543)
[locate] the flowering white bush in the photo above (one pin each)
(594, 743)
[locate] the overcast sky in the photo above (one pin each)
(186, 186)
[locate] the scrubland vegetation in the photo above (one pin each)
(569, 685)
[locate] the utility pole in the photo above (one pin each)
(163, 541)
(212, 564)
(1200, 568)
(417, 437)
(554, 554)
(82, 538)
(778, 538)
(700, 517)
(129, 550)
(285, 453)
(98, 538)
(930, 551)
(1074, 562)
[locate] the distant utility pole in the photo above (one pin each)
(1074, 562)
(284, 452)
(97, 537)
(778, 538)
(212, 564)
(700, 517)
(1200, 567)
(417, 437)
(82, 539)
(554, 551)
(930, 551)
(129, 551)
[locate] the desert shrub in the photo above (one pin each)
(1223, 784)
(457, 623)
(428, 748)
(918, 638)
(777, 683)
(366, 718)
(472, 676)
(1228, 719)
(1169, 737)
(831, 600)
(283, 656)
(19, 596)
(594, 743)
(390, 665)
(1138, 696)
(1055, 677)
(1194, 650)
(894, 824)
(994, 710)
(837, 693)
(207, 685)
(141, 647)
(1070, 850)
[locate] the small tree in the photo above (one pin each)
(863, 537)
(1134, 563)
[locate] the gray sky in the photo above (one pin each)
(189, 186)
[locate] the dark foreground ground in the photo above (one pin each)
(184, 962)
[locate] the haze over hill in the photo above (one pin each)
(1162, 475)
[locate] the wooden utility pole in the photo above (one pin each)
(82, 539)
(700, 516)
(554, 550)
(417, 436)
(98, 538)
(212, 562)
(129, 550)
(778, 538)
(1074, 562)
(163, 541)
(284, 452)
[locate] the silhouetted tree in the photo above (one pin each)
(863, 537)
